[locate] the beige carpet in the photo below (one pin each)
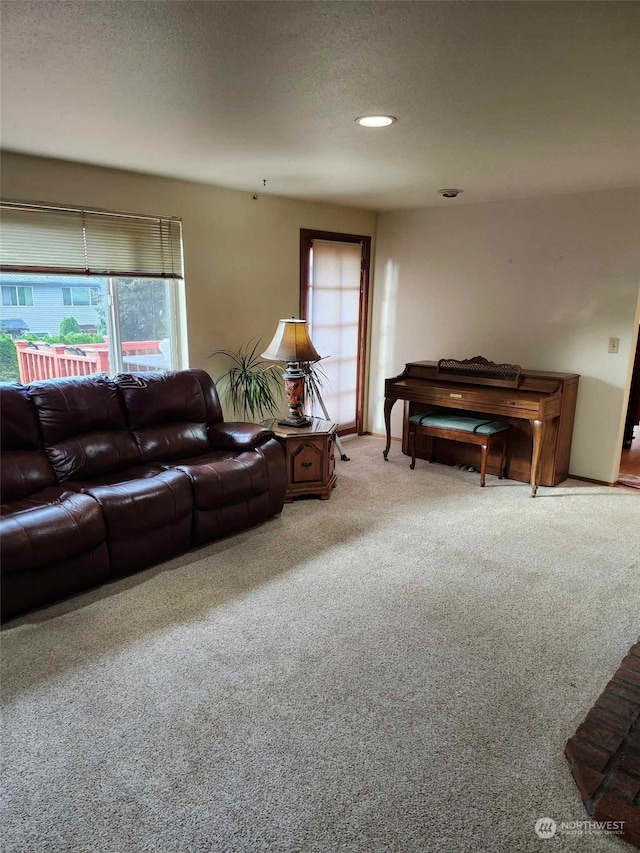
(396, 669)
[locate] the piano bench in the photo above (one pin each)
(470, 430)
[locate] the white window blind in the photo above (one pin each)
(41, 238)
(334, 302)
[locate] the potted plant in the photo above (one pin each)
(252, 385)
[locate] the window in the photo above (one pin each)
(80, 295)
(108, 292)
(334, 291)
(13, 295)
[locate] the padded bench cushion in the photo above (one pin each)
(480, 426)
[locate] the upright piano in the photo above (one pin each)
(539, 406)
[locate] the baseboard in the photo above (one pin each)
(591, 480)
(381, 435)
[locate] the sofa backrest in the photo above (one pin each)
(84, 426)
(170, 414)
(24, 466)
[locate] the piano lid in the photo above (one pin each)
(542, 381)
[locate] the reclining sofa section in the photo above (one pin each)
(103, 477)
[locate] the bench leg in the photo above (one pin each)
(483, 463)
(412, 448)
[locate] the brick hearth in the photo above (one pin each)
(605, 751)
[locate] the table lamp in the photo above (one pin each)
(291, 343)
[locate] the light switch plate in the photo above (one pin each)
(614, 344)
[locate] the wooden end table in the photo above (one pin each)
(310, 457)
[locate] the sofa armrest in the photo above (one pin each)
(237, 435)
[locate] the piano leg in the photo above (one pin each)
(483, 462)
(538, 434)
(503, 458)
(388, 405)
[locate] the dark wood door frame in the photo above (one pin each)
(307, 236)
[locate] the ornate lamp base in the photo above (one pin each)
(294, 389)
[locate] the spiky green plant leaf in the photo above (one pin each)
(315, 380)
(252, 385)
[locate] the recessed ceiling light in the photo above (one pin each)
(376, 121)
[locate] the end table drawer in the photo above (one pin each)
(305, 462)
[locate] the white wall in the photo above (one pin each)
(539, 282)
(242, 257)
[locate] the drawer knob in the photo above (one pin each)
(306, 464)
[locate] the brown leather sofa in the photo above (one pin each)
(103, 477)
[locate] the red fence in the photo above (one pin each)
(48, 361)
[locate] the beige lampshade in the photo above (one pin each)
(291, 342)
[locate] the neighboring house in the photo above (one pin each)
(37, 304)
(15, 327)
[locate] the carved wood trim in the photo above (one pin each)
(477, 369)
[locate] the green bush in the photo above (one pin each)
(68, 325)
(8, 360)
(72, 339)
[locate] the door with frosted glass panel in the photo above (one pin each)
(334, 287)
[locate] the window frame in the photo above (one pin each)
(16, 288)
(93, 300)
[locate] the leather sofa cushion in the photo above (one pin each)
(95, 454)
(238, 435)
(167, 442)
(138, 501)
(210, 394)
(76, 405)
(50, 526)
(193, 384)
(20, 429)
(167, 414)
(23, 472)
(24, 467)
(84, 426)
(161, 398)
(223, 477)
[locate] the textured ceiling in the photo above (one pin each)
(502, 99)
